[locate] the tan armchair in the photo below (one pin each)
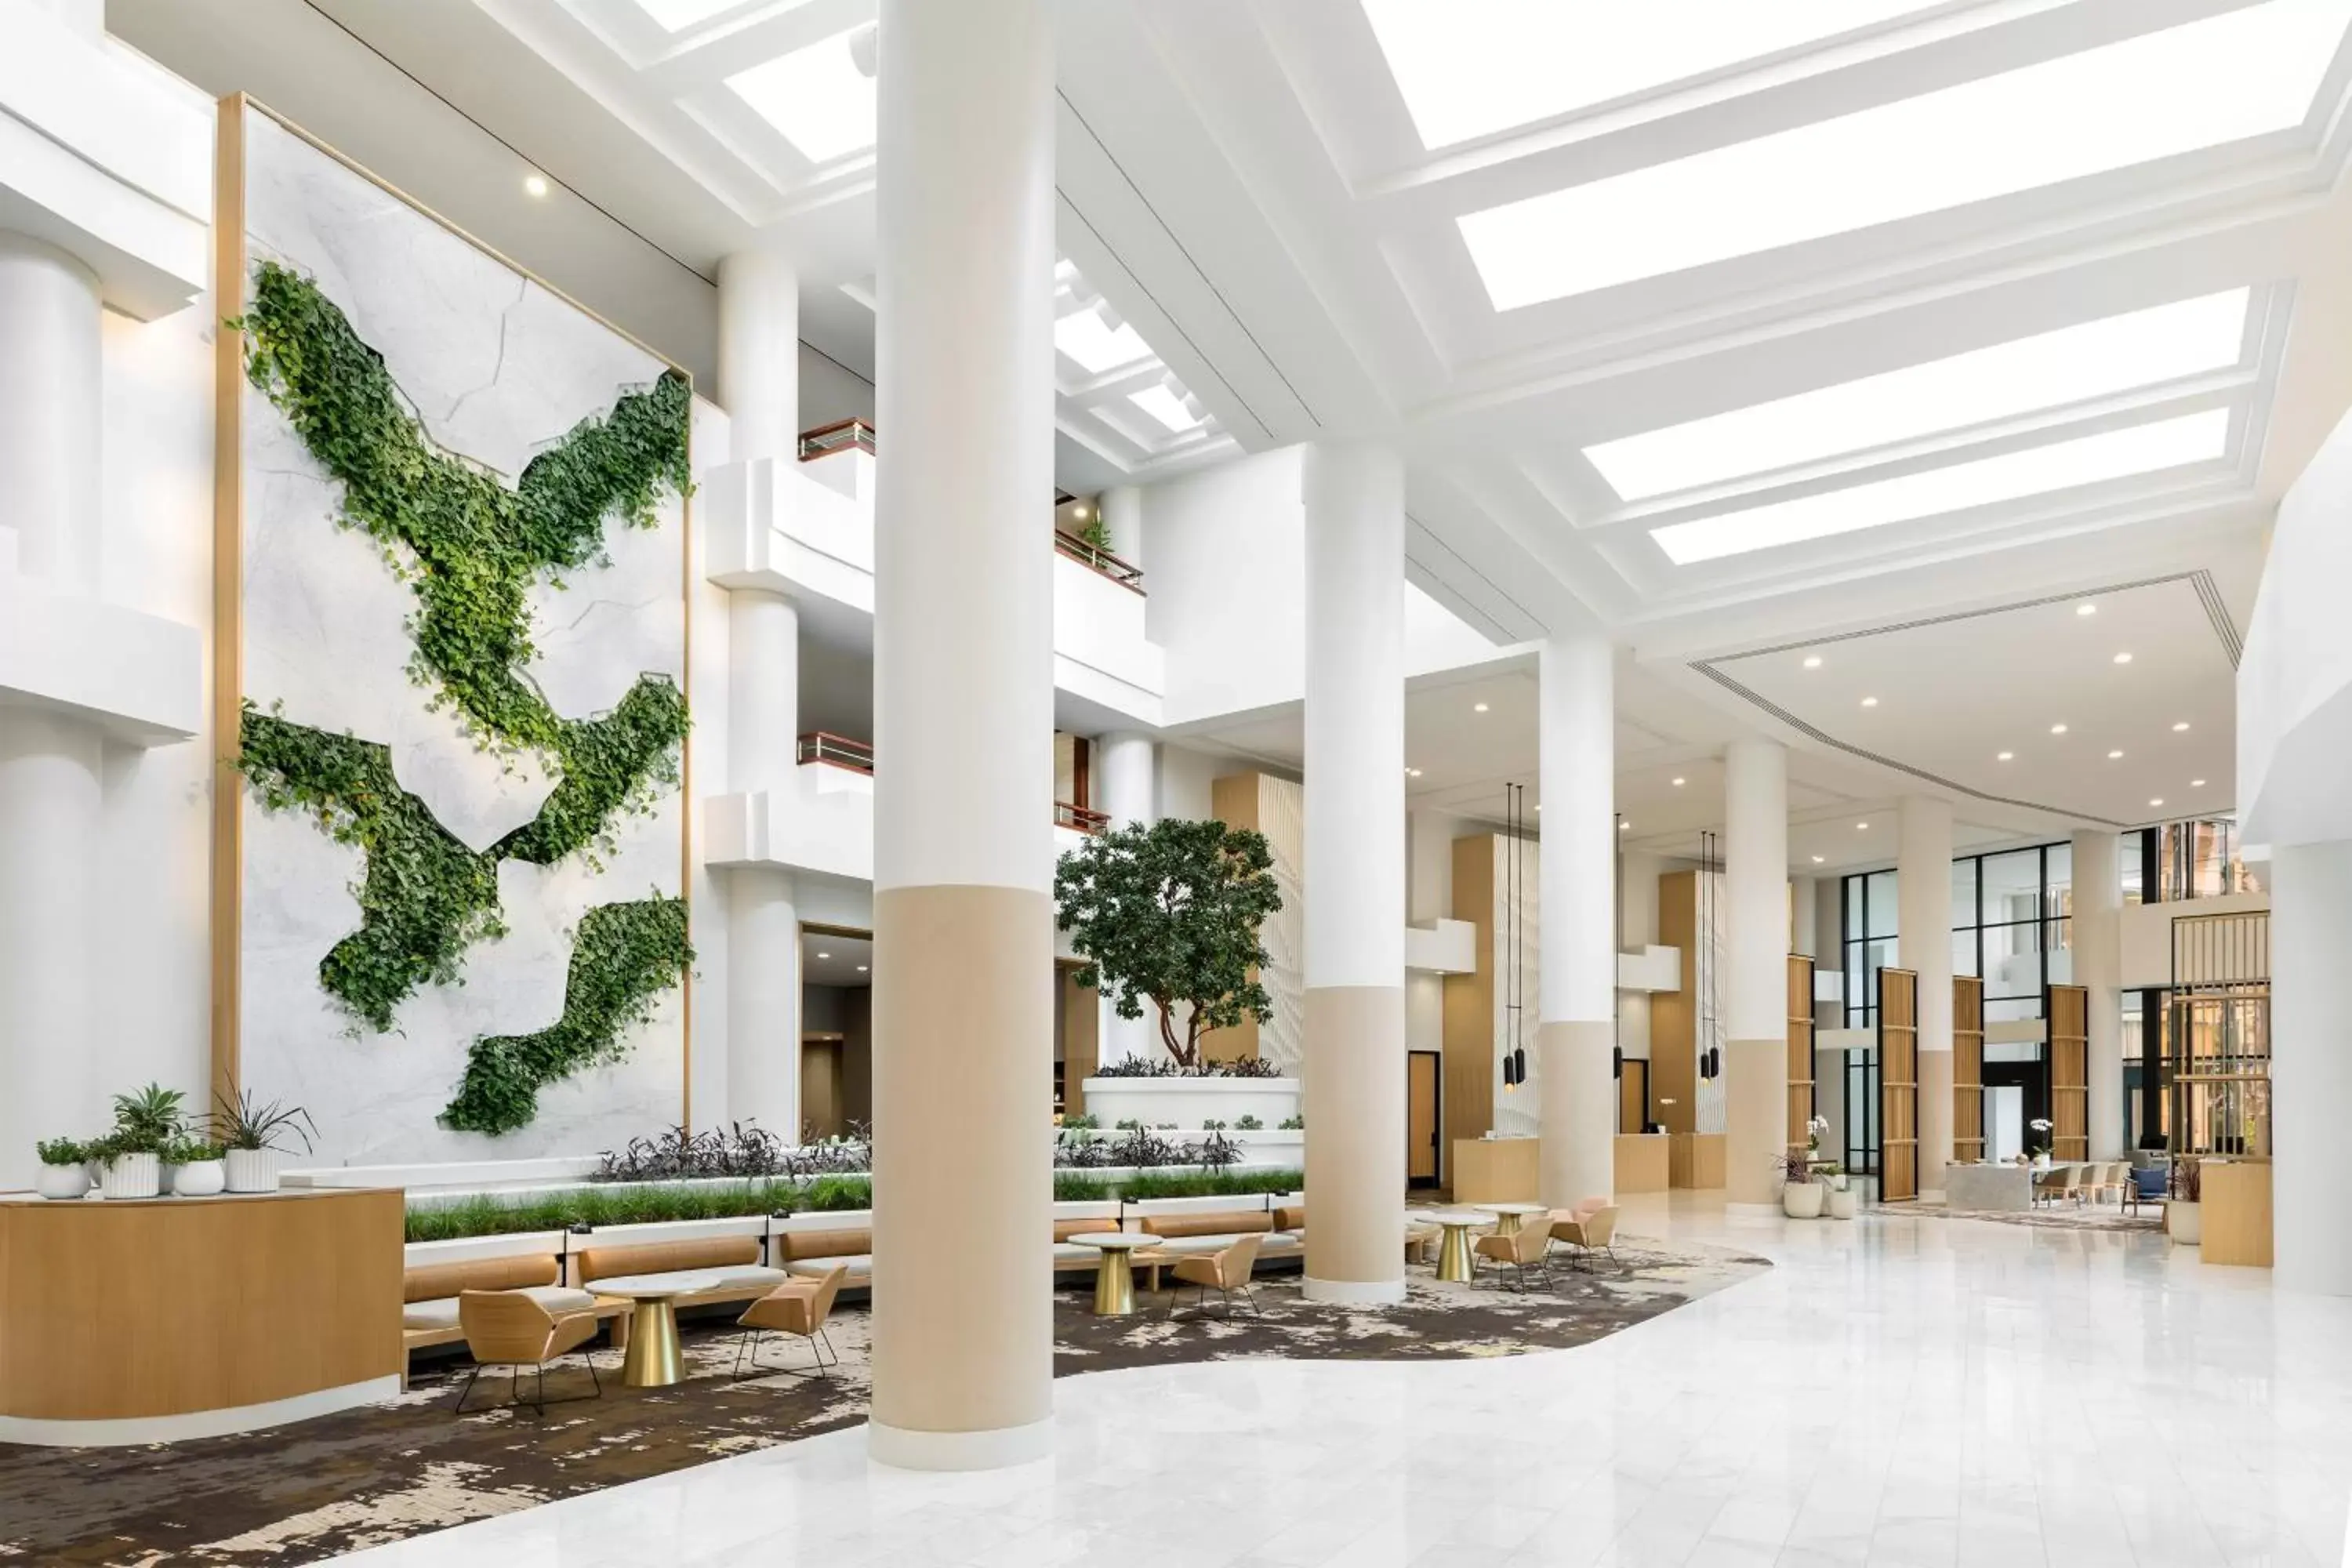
(2060, 1184)
(1225, 1272)
(1530, 1246)
(1589, 1232)
(796, 1307)
(507, 1329)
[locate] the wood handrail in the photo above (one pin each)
(1125, 573)
(835, 751)
(841, 436)
(1079, 818)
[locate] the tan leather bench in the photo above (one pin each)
(428, 1294)
(717, 1270)
(813, 1254)
(1185, 1235)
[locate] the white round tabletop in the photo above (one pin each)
(1112, 1240)
(653, 1287)
(1453, 1216)
(1511, 1208)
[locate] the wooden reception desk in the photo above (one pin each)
(146, 1321)
(1496, 1169)
(1641, 1165)
(2236, 1200)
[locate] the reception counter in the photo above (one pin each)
(147, 1320)
(1641, 1163)
(1695, 1159)
(2236, 1199)
(1496, 1169)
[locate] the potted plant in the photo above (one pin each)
(2184, 1213)
(131, 1154)
(1841, 1200)
(199, 1167)
(1801, 1196)
(64, 1168)
(256, 1136)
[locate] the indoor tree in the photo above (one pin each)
(1169, 913)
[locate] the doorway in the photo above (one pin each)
(822, 1096)
(1633, 1095)
(836, 1066)
(1421, 1119)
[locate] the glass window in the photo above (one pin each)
(1964, 895)
(2128, 848)
(2012, 886)
(2058, 879)
(1964, 951)
(2010, 1009)
(1879, 898)
(2060, 952)
(2013, 961)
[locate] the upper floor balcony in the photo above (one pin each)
(807, 528)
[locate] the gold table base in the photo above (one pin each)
(1114, 1284)
(1453, 1255)
(652, 1360)
(1507, 1224)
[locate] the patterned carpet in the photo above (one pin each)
(308, 1491)
(2059, 1216)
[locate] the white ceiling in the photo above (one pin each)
(827, 959)
(1242, 180)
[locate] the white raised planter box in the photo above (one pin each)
(1189, 1101)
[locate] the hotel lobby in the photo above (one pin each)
(1283, 782)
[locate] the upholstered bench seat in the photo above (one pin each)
(860, 1266)
(692, 1282)
(1270, 1244)
(441, 1312)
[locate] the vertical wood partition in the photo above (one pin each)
(2068, 1012)
(1673, 1014)
(1898, 1084)
(1800, 1049)
(1968, 1069)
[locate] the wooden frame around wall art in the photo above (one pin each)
(1898, 1085)
(229, 273)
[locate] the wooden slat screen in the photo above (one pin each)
(2069, 1012)
(1898, 1084)
(1800, 1047)
(1968, 1069)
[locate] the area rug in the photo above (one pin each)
(308, 1491)
(2064, 1217)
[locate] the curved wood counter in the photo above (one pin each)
(151, 1319)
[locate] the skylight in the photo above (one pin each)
(1165, 407)
(1470, 67)
(677, 16)
(2064, 465)
(2222, 79)
(817, 97)
(1096, 347)
(2096, 359)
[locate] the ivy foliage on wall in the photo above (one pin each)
(470, 550)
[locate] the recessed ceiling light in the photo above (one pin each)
(534, 185)
(1082, 335)
(2115, 756)
(1166, 407)
(1413, 773)
(2096, 359)
(1818, 860)
(2087, 609)
(1477, 708)
(861, 969)
(1862, 827)
(2122, 658)
(2196, 783)
(2218, 79)
(1813, 661)
(825, 955)
(1623, 825)
(1870, 703)
(2057, 729)
(2005, 756)
(2157, 801)
(2183, 725)
(2011, 476)
(1678, 784)
(815, 97)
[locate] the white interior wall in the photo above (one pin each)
(1228, 552)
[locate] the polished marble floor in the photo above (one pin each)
(1895, 1392)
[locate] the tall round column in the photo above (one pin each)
(1756, 983)
(963, 697)
(2097, 900)
(1355, 1039)
(2311, 1063)
(1126, 766)
(759, 381)
(1923, 935)
(1577, 1091)
(1122, 516)
(51, 806)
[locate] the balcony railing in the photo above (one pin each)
(1125, 573)
(836, 751)
(841, 436)
(1078, 818)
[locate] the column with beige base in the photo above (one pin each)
(1576, 1037)
(1355, 1088)
(1756, 976)
(963, 684)
(1923, 935)
(2096, 897)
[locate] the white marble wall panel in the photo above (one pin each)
(497, 369)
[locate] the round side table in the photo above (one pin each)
(1115, 1274)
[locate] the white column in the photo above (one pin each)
(1756, 984)
(1354, 1092)
(1804, 903)
(2098, 904)
(1125, 765)
(50, 799)
(1923, 934)
(1122, 515)
(1576, 926)
(964, 699)
(758, 382)
(2311, 1063)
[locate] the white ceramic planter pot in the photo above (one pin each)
(62, 1181)
(1842, 1201)
(2184, 1222)
(1189, 1101)
(253, 1170)
(203, 1179)
(132, 1176)
(1802, 1200)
